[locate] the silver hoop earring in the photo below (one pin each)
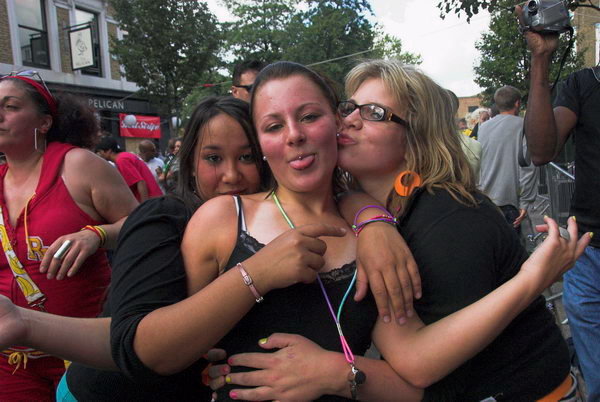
(264, 158)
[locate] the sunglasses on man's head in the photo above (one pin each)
(370, 112)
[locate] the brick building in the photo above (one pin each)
(587, 24)
(34, 35)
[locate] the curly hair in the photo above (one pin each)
(75, 123)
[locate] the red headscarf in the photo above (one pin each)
(41, 90)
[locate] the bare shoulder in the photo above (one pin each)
(84, 162)
(211, 233)
(215, 210)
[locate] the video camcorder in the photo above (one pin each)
(545, 17)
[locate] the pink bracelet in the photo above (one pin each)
(379, 207)
(248, 282)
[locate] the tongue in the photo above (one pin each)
(302, 163)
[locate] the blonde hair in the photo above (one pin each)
(433, 148)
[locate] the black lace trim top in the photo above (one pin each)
(300, 309)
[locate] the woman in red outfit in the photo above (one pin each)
(60, 205)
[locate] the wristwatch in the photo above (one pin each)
(356, 378)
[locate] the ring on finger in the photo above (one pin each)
(60, 253)
(564, 233)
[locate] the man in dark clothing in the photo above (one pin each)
(576, 111)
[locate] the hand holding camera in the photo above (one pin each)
(544, 17)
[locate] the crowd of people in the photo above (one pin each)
(296, 229)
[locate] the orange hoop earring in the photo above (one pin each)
(405, 190)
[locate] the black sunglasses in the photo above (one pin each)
(370, 111)
(246, 87)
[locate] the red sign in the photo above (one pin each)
(142, 126)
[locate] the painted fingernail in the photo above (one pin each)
(233, 395)
(225, 370)
(227, 379)
(409, 313)
(591, 234)
(230, 361)
(402, 320)
(574, 218)
(418, 295)
(545, 216)
(386, 319)
(263, 341)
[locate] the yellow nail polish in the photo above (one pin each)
(263, 341)
(545, 216)
(574, 218)
(228, 379)
(591, 234)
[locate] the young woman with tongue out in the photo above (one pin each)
(294, 112)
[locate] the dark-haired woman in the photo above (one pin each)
(60, 206)
(219, 155)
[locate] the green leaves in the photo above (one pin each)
(167, 48)
(504, 58)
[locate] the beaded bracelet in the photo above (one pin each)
(100, 232)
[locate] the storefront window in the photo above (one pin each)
(86, 17)
(33, 36)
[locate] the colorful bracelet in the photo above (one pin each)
(100, 232)
(248, 282)
(379, 207)
(380, 218)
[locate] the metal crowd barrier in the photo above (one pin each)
(557, 182)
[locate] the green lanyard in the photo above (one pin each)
(347, 351)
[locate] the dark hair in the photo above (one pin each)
(75, 122)
(494, 111)
(203, 113)
(171, 143)
(241, 68)
(107, 143)
(285, 69)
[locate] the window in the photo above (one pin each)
(86, 17)
(597, 44)
(33, 37)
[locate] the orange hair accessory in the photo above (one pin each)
(404, 190)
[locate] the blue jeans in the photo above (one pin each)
(581, 298)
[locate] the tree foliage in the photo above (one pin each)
(387, 46)
(309, 32)
(472, 7)
(330, 29)
(468, 7)
(168, 46)
(505, 60)
(260, 29)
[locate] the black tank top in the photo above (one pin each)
(299, 309)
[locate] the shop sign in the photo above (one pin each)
(107, 104)
(142, 127)
(82, 49)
